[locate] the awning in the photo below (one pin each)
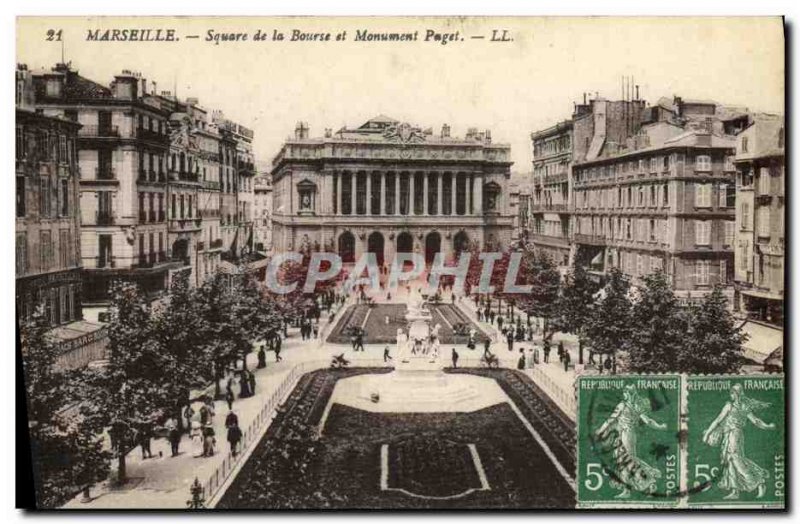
(761, 294)
(762, 342)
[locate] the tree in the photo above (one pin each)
(214, 305)
(131, 390)
(609, 325)
(714, 342)
(658, 327)
(179, 331)
(574, 306)
(538, 270)
(66, 457)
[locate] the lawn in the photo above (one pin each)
(382, 321)
(420, 457)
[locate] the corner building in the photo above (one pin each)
(388, 187)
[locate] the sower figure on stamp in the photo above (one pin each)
(619, 432)
(739, 473)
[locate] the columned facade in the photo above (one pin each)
(388, 187)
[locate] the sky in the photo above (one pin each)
(512, 87)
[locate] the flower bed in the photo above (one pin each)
(427, 454)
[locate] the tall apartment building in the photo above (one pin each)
(48, 262)
(122, 147)
(596, 125)
(664, 199)
(760, 238)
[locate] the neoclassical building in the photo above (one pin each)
(388, 187)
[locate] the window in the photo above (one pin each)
(652, 230)
(702, 232)
(730, 228)
(44, 197)
(744, 144)
(744, 249)
(64, 212)
(763, 181)
(702, 270)
(723, 271)
(62, 148)
(103, 207)
(22, 253)
(63, 247)
(20, 196)
(654, 165)
(665, 194)
(45, 250)
(729, 163)
(763, 221)
(745, 216)
(702, 163)
(639, 265)
(666, 163)
(702, 195)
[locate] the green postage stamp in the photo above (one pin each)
(681, 441)
(628, 440)
(736, 442)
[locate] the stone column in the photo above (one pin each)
(478, 194)
(368, 208)
(353, 210)
(439, 177)
(396, 193)
(453, 191)
(425, 193)
(339, 179)
(411, 194)
(470, 208)
(383, 192)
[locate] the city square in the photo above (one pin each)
(343, 295)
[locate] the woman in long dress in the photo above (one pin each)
(739, 473)
(619, 433)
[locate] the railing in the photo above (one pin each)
(105, 173)
(99, 131)
(149, 134)
(563, 397)
(104, 219)
(105, 262)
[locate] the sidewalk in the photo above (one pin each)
(164, 481)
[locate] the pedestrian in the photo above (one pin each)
(209, 441)
(455, 358)
(143, 437)
(188, 413)
(561, 349)
(197, 438)
(359, 341)
(500, 322)
(232, 419)
(510, 340)
(251, 378)
(234, 437)
(278, 343)
(229, 398)
(203, 415)
(210, 407)
(173, 435)
(486, 344)
(386, 356)
(535, 355)
(546, 351)
(521, 361)
(567, 359)
(316, 331)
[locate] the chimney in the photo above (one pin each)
(301, 131)
(445, 131)
(328, 132)
(488, 136)
(125, 86)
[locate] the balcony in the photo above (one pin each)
(183, 176)
(150, 260)
(104, 218)
(99, 132)
(185, 224)
(105, 262)
(216, 244)
(153, 136)
(594, 240)
(105, 173)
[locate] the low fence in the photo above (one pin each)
(564, 397)
(255, 430)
